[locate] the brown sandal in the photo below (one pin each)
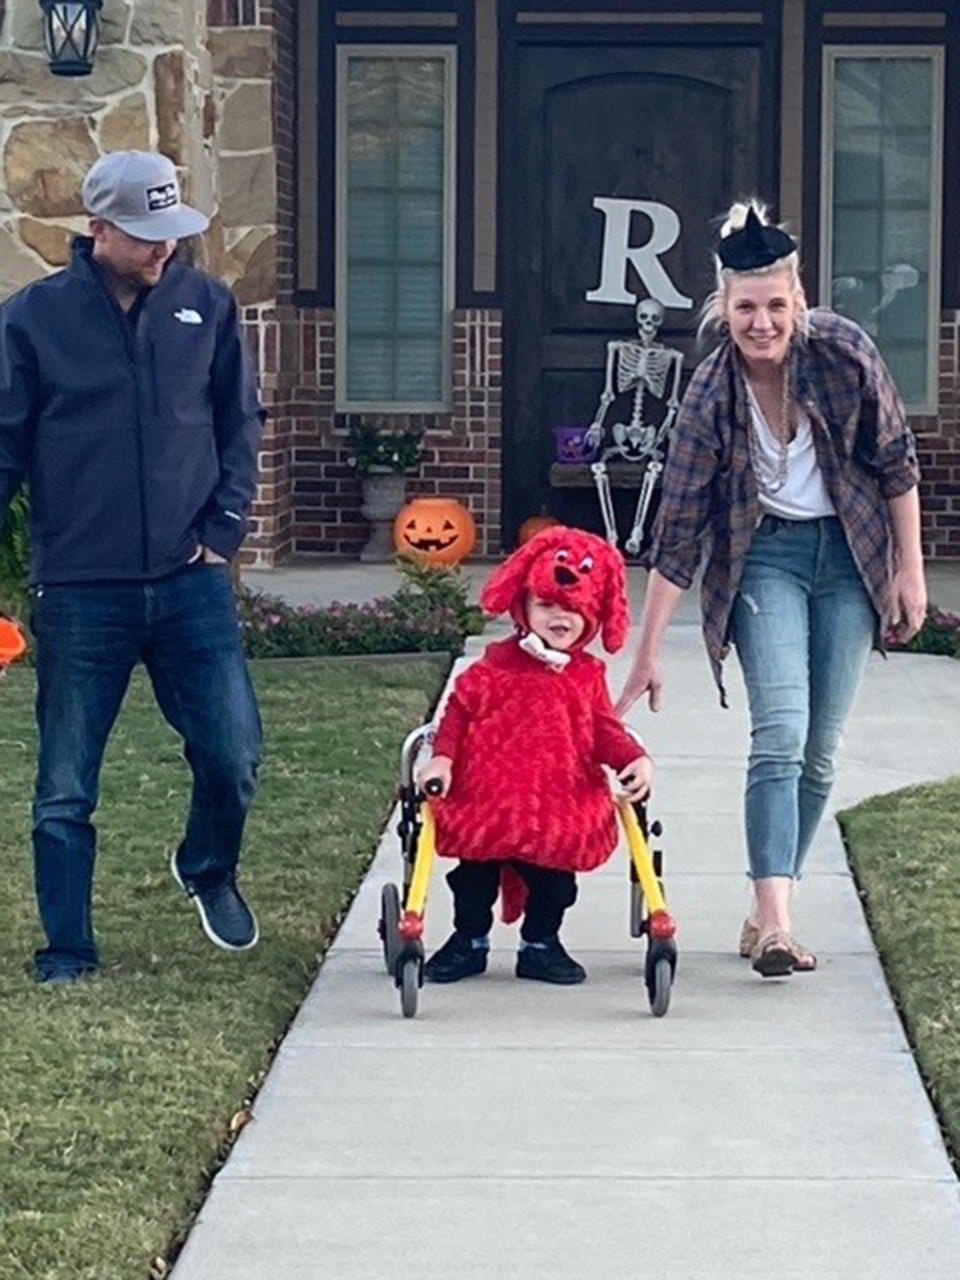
(773, 955)
(749, 937)
(804, 961)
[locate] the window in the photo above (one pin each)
(394, 227)
(881, 191)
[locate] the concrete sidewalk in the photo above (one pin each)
(762, 1130)
(310, 581)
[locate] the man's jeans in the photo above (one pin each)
(89, 638)
(802, 625)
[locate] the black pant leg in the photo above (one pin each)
(549, 893)
(475, 886)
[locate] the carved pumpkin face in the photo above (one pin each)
(533, 525)
(439, 530)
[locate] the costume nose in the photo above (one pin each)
(565, 577)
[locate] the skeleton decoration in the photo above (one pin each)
(649, 370)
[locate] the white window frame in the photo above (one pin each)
(448, 54)
(935, 53)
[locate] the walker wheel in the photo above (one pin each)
(659, 983)
(389, 918)
(409, 986)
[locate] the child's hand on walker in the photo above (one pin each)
(636, 779)
(438, 770)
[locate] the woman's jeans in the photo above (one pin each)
(89, 638)
(803, 625)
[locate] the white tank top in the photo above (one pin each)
(804, 495)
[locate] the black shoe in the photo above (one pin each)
(62, 977)
(550, 963)
(457, 958)
(227, 920)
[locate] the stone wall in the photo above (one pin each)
(160, 80)
(150, 82)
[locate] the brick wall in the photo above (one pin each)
(309, 500)
(938, 443)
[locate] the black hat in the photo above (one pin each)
(754, 245)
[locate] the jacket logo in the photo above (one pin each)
(186, 315)
(162, 196)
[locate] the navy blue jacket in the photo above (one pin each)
(137, 442)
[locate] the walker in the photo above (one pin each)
(402, 908)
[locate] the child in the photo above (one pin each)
(525, 803)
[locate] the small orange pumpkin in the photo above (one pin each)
(438, 530)
(532, 525)
(12, 643)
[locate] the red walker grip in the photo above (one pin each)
(410, 926)
(662, 925)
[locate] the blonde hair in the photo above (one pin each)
(712, 312)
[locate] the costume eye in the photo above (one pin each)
(562, 556)
(586, 564)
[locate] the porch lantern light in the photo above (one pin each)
(71, 31)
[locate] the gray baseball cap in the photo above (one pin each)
(138, 192)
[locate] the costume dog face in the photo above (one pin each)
(577, 570)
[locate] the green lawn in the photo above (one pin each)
(905, 852)
(116, 1095)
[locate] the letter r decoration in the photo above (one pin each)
(645, 258)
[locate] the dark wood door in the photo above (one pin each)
(686, 128)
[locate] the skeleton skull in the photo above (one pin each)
(649, 317)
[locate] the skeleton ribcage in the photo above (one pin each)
(649, 365)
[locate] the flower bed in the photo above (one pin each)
(428, 613)
(940, 634)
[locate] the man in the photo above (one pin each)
(128, 403)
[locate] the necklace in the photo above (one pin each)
(775, 483)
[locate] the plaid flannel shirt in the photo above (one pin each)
(864, 448)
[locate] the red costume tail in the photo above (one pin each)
(513, 895)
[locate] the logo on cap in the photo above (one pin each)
(161, 196)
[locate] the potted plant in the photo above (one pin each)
(382, 460)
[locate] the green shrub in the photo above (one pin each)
(440, 587)
(15, 555)
(940, 634)
(369, 447)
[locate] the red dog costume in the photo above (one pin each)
(527, 738)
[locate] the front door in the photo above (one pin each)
(662, 138)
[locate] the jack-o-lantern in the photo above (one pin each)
(532, 525)
(439, 530)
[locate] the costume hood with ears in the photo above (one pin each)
(569, 567)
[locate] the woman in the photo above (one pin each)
(791, 454)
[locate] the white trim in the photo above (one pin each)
(448, 54)
(831, 53)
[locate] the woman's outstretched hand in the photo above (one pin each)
(645, 678)
(908, 602)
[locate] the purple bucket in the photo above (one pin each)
(570, 446)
